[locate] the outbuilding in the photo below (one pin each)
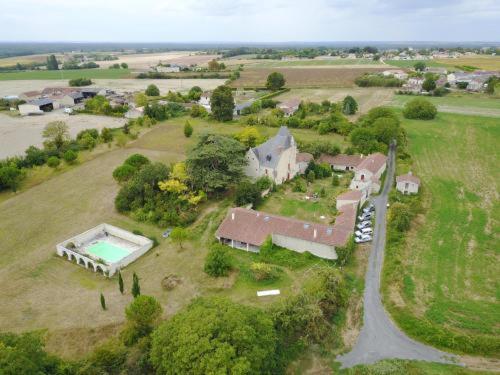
(36, 107)
(408, 183)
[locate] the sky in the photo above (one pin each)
(249, 20)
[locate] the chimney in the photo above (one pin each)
(232, 216)
(315, 233)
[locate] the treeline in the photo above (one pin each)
(58, 147)
(210, 335)
(378, 80)
(201, 75)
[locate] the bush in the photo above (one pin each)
(123, 172)
(10, 177)
(188, 129)
(136, 160)
(247, 193)
(70, 156)
(106, 135)
(87, 141)
(299, 186)
(78, 82)
(198, 111)
(420, 109)
(53, 162)
(152, 90)
(218, 261)
(264, 271)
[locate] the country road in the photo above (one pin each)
(380, 338)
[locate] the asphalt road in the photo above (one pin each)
(380, 338)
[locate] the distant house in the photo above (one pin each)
(399, 74)
(134, 113)
(436, 70)
(341, 162)
(36, 107)
(413, 85)
(350, 197)
(168, 69)
(238, 108)
(30, 95)
(407, 183)
(276, 158)
(205, 100)
(90, 92)
(67, 100)
(368, 173)
(303, 159)
(289, 107)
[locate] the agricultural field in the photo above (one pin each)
(35, 220)
(66, 74)
(442, 286)
(411, 63)
(480, 61)
(352, 63)
(10, 61)
(304, 77)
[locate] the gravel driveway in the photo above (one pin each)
(380, 338)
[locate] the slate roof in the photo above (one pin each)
(40, 102)
(253, 227)
(268, 153)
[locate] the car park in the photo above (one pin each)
(364, 224)
(363, 238)
(367, 231)
(365, 217)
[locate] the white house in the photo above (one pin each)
(407, 183)
(341, 162)
(205, 100)
(399, 74)
(289, 107)
(276, 158)
(368, 173)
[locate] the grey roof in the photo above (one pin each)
(90, 89)
(76, 95)
(270, 151)
(239, 107)
(42, 101)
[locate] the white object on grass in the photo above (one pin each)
(273, 292)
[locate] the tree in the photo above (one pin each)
(429, 84)
(311, 176)
(215, 163)
(137, 160)
(152, 90)
(124, 65)
(247, 193)
(349, 105)
(419, 66)
(143, 315)
(400, 216)
(275, 81)
(120, 282)
(420, 109)
(222, 103)
(53, 162)
(179, 235)
(385, 129)
(106, 135)
(124, 172)
(10, 177)
(249, 136)
(195, 93)
(188, 129)
(136, 288)
(103, 302)
(56, 133)
(335, 180)
(141, 99)
(78, 82)
(70, 156)
(218, 261)
(215, 66)
(52, 63)
(35, 156)
(215, 335)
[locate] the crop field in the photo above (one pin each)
(481, 61)
(66, 74)
(448, 290)
(43, 291)
(11, 61)
(304, 77)
(411, 63)
(353, 63)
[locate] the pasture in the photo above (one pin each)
(43, 291)
(442, 285)
(484, 62)
(304, 77)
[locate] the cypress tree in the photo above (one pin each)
(120, 282)
(103, 302)
(136, 288)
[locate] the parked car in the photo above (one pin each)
(368, 209)
(367, 230)
(364, 224)
(365, 217)
(358, 233)
(363, 238)
(166, 234)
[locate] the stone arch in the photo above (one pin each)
(82, 262)
(99, 269)
(70, 256)
(64, 254)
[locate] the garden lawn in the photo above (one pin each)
(66, 74)
(442, 287)
(459, 100)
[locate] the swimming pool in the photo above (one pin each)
(107, 251)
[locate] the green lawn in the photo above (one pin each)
(443, 286)
(411, 63)
(67, 74)
(397, 366)
(460, 100)
(311, 62)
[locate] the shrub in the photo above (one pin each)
(198, 111)
(400, 216)
(420, 109)
(136, 160)
(188, 129)
(311, 176)
(218, 261)
(299, 186)
(70, 156)
(10, 177)
(335, 180)
(106, 135)
(53, 162)
(247, 193)
(123, 172)
(143, 314)
(87, 142)
(264, 271)
(152, 90)
(78, 82)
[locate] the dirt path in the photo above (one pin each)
(380, 338)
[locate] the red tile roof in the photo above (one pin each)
(254, 227)
(341, 159)
(373, 162)
(350, 195)
(409, 177)
(304, 157)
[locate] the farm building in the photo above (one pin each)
(30, 95)
(36, 107)
(276, 158)
(238, 108)
(104, 248)
(356, 197)
(341, 162)
(303, 159)
(407, 183)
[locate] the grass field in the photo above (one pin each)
(411, 63)
(409, 367)
(43, 291)
(304, 77)
(312, 63)
(443, 286)
(465, 100)
(482, 62)
(66, 74)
